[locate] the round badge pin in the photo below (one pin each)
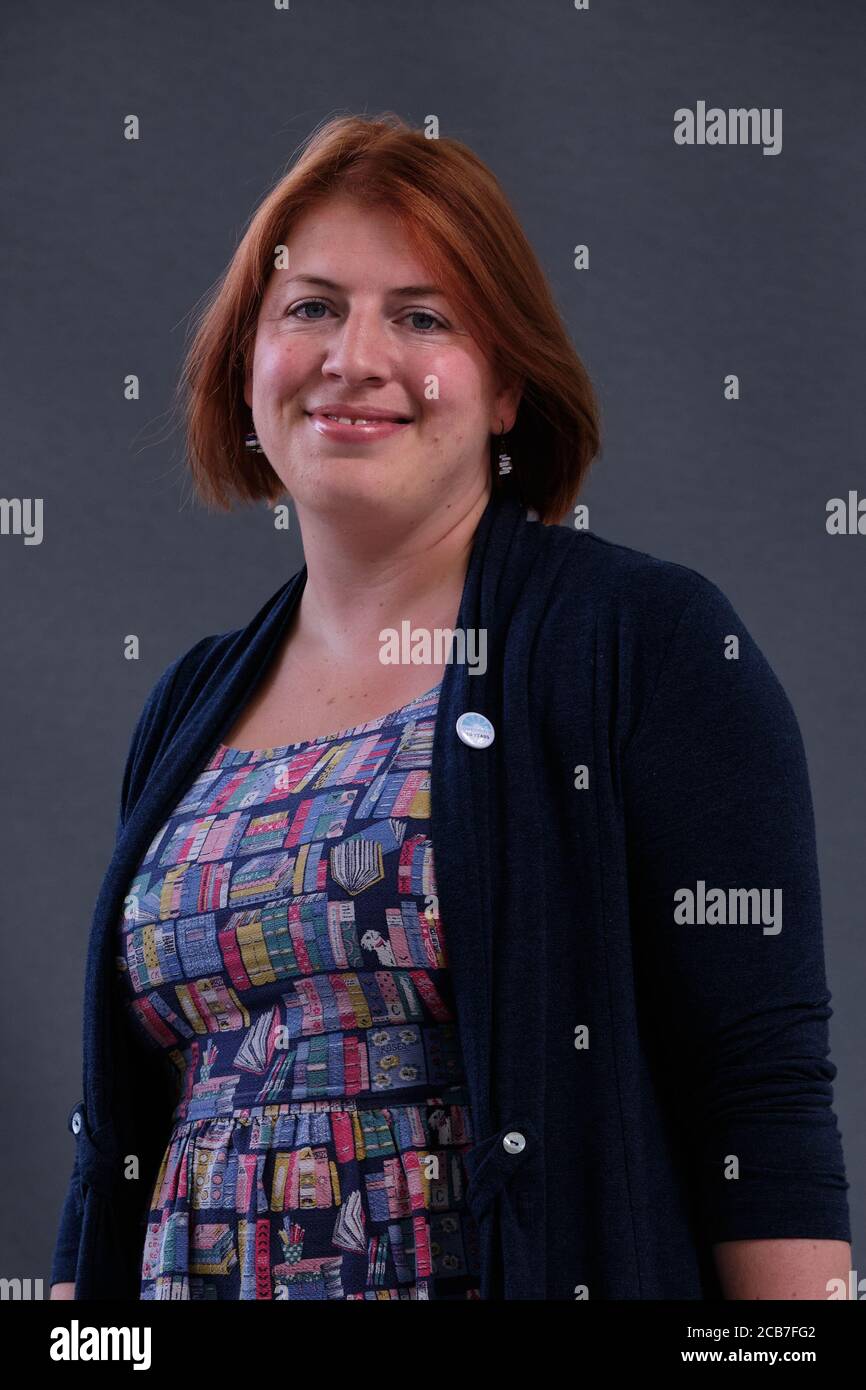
(475, 729)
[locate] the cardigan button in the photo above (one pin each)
(475, 729)
(76, 1122)
(514, 1142)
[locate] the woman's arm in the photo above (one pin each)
(68, 1236)
(154, 717)
(718, 813)
(781, 1268)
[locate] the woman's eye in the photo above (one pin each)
(309, 304)
(424, 314)
(436, 322)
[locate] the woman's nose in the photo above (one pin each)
(360, 346)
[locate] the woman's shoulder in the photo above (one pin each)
(662, 634)
(204, 658)
(640, 593)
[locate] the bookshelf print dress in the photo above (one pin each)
(281, 941)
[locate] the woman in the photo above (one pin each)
(494, 970)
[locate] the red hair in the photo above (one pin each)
(459, 223)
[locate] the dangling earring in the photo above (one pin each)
(252, 443)
(504, 458)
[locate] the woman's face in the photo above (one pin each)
(361, 341)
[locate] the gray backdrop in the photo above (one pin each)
(704, 261)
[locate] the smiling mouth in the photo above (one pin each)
(358, 419)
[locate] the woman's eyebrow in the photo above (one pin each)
(403, 290)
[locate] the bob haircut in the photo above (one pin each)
(459, 223)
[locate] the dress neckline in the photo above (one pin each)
(370, 725)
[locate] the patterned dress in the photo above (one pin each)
(281, 941)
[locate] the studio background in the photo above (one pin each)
(703, 262)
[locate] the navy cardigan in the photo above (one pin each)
(641, 1086)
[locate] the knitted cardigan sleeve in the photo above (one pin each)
(155, 715)
(723, 878)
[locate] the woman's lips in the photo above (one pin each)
(355, 434)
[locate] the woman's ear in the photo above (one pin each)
(509, 399)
